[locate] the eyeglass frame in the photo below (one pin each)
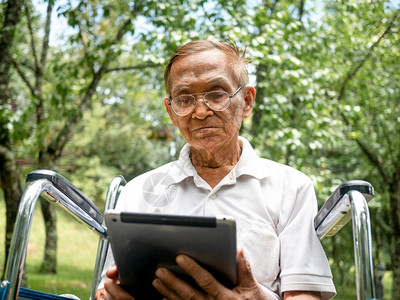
(205, 101)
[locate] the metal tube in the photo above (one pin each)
(111, 200)
(362, 246)
(22, 227)
(113, 192)
(19, 241)
(53, 195)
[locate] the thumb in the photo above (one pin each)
(245, 276)
(112, 273)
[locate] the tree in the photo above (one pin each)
(327, 94)
(366, 99)
(9, 176)
(314, 109)
(62, 82)
(33, 73)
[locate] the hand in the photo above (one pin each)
(112, 290)
(175, 289)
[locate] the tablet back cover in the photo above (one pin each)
(143, 242)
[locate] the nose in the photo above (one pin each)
(201, 111)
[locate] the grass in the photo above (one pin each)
(351, 292)
(387, 286)
(76, 256)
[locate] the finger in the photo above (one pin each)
(114, 291)
(245, 276)
(203, 278)
(112, 273)
(172, 287)
(100, 294)
(164, 290)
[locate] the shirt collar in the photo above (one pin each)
(248, 164)
(183, 168)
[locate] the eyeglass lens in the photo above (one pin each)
(184, 104)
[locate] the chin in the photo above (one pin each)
(207, 142)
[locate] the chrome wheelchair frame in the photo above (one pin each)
(349, 201)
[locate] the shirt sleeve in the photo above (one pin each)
(304, 266)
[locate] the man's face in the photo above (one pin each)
(203, 72)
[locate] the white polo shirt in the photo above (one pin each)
(274, 206)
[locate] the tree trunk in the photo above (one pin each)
(9, 178)
(12, 193)
(49, 265)
(395, 240)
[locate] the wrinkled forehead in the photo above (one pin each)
(211, 67)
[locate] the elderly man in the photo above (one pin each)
(219, 173)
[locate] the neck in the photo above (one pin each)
(213, 166)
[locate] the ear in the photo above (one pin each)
(249, 98)
(170, 112)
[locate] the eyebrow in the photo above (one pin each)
(218, 81)
(213, 82)
(179, 88)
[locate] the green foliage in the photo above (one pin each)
(326, 77)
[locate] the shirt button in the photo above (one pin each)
(213, 196)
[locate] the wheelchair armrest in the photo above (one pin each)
(334, 214)
(58, 190)
(69, 190)
(113, 193)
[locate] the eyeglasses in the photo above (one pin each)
(183, 105)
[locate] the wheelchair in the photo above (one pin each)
(349, 201)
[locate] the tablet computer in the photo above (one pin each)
(143, 242)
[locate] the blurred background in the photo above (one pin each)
(81, 93)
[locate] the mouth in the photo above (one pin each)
(203, 128)
(203, 132)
